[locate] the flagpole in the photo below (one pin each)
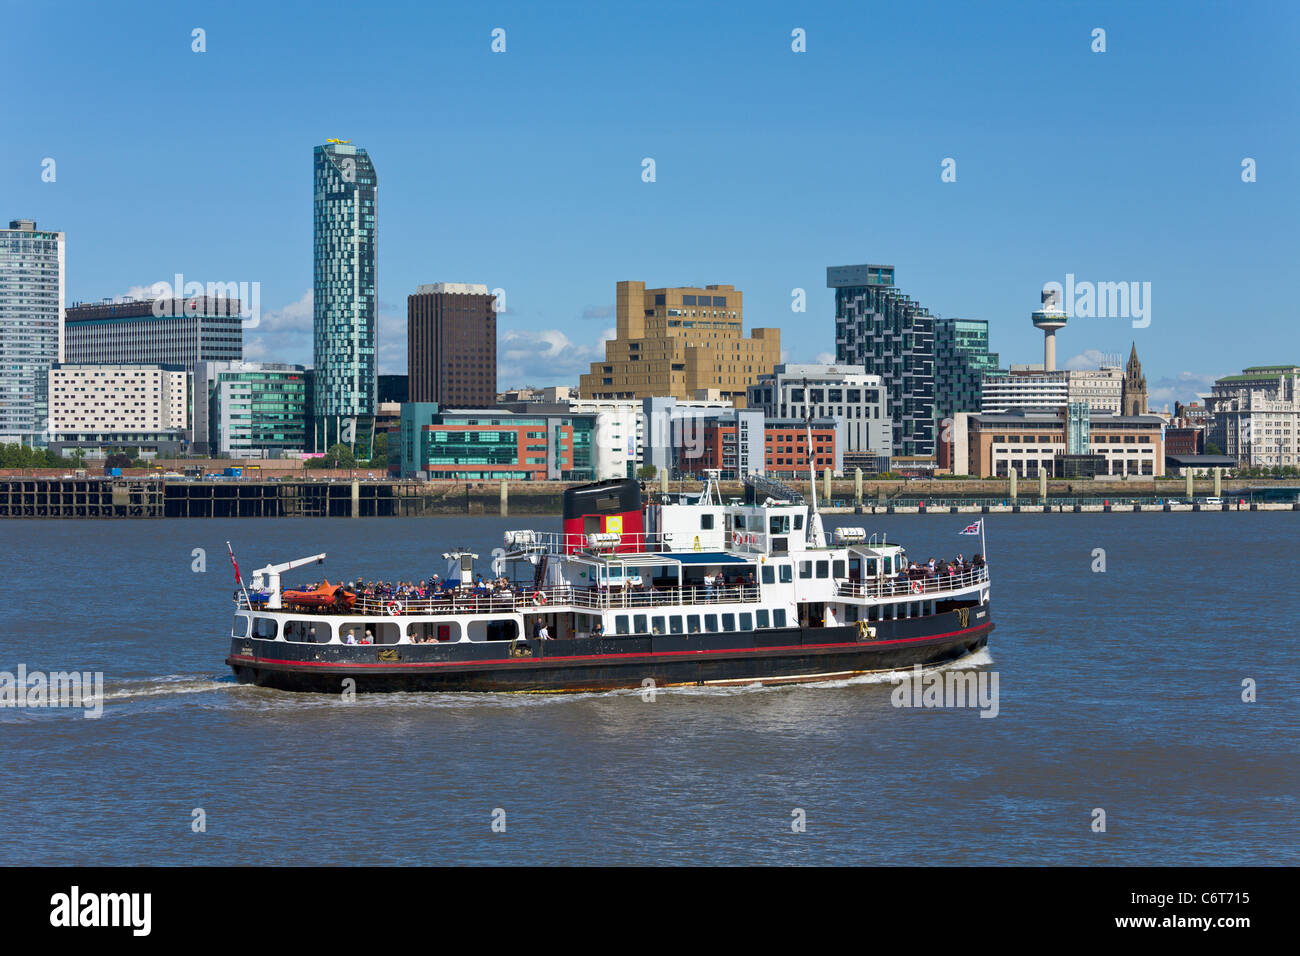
(239, 578)
(983, 548)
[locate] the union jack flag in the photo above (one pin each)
(972, 528)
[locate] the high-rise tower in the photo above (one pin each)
(345, 300)
(31, 327)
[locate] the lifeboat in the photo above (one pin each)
(325, 595)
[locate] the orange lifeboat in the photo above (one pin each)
(325, 595)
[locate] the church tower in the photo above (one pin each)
(1134, 393)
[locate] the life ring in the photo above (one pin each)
(395, 608)
(539, 599)
(916, 587)
(737, 538)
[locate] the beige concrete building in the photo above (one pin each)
(1028, 441)
(675, 342)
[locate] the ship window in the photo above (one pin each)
(728, 622)
(497, 630)
(658, 623)
(778, 617)
(823, 568)
(711, 623)
(837, 569)
(307, 632)
(873, 613)
(692, 623)
(620, 624)
(746, 621)
(798, 522)
(787, 575)
(241, 626)
(264, 628)
(764, 619)
(805, 569)
(769, 574)
(640, 624)
(872, 567)
(675, 624)
(429, 632)
(740, 522)
(778, 524)
(706, 522)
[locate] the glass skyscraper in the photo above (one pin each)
(961, 361)
(31, 327)
(890, 335)
(345, 301)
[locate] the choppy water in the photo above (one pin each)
(1119, 690)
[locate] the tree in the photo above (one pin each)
(1212, 449)
(119, 459)
(646, 472)
(340, 456)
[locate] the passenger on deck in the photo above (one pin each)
(598, 629)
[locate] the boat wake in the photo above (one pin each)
(165, 686)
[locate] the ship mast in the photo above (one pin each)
(816, 536)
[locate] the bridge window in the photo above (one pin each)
(769, 574)
(706, 522)
(837, 569)
(786, 573)
(805, 569)
(823, 568)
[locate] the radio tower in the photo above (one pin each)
(1049, 318)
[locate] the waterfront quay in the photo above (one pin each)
(139, 497)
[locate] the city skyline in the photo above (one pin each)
(769, 167)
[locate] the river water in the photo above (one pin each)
(1119, 690)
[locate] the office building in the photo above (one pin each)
(249, 409)
(451, 345)
(1025, 387)
(844, 393)
(1101, 389)
(890, 335)
(1058, 440)
(962, 362)
(488, 444)
(31, 327)
(165, 331)
(678, 342)
(1256, 415)
(345, 326)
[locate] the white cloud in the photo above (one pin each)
(283, 334)
(1093, 358)
(546, 356)
(1183, 387)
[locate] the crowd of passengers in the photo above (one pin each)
(939, 573)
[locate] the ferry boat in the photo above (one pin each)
(682, 589)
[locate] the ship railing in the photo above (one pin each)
(892, 587)
(527, 599)
(518, 543)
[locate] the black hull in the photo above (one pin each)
(610, 663)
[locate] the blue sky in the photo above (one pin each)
(522, 170)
